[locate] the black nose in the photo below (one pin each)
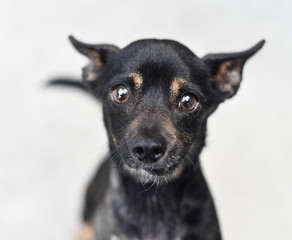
(148, 150)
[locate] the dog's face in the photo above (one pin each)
(157, 96)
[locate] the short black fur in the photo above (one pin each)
(157, 96)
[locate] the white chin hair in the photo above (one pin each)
(145, 176)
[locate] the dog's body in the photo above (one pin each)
(157, 96)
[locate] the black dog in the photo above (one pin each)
(157, 96)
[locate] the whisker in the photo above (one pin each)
(149, 187)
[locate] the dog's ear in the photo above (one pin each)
(226, 69)
(98, 55)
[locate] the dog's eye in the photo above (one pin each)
(120, 94)
(188, 102)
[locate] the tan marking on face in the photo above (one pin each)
(170, 130)
(167, 127)
(175, 87)
(133, 126)
(86, 232)
(137, 79)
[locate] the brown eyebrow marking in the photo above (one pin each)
(175, 87)
(137, 79)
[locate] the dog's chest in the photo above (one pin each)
(145, 217)
(148, 219)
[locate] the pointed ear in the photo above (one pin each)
(226, 69)
(98, 55)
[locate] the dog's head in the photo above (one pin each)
(157, 96)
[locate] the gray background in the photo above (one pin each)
(51, 140)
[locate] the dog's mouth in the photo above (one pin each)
(147, 174)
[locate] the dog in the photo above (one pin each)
(157, 96)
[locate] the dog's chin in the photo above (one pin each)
(160, 174)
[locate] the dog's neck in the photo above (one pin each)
(136, 204)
